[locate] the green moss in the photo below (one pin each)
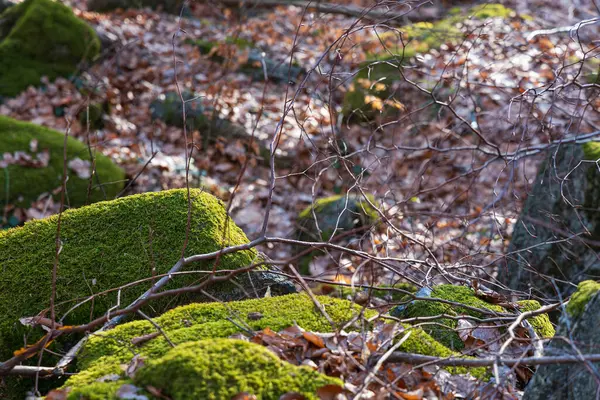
(464, 295)
(104, 352)
(459, 294)
(210, 369)
(209, 320)
(579, 299)
(41, 38)
(485, 11)
(188, 372)
(106, 245)
(21, 185)
(591, 151)
(541, 323)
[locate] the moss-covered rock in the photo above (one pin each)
(551, 254)
(335, 215)
(22, 183)
(372, 92)
(444, 331)
(255, 61)
(109, 244)
(580, 325)
(104, 353)
(41, 38)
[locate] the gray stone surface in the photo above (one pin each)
(561, 208)
(570, 381)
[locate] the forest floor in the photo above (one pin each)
(462, 201)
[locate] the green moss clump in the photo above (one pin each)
(484, 11)
(459, 294)
(188, 372)
(541, 323)
(41, 38)
(214, 369)
(104, 246)
(591, 151)
(103, 353)
(20, 185)
(446, 333)
(579, 299)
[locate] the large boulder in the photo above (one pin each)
(31, 159)
(41, 38)
(548, 249)
(109, 244)
(579, 326)
(194, 330)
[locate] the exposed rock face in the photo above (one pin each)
(560, 214)
(579, 324)
(41, 38)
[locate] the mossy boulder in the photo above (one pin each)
(548, 244)
(41, 38)
(333, 215)
(21, 182)
(579, 325)
(444, 331)
(193, 329)
(372, 92)
(109, 244)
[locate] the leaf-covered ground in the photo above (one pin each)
(441, 169)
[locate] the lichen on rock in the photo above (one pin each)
(41, 38)
(22, 182)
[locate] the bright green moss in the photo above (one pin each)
(459, 294)
(541, 323)
(23, 184)
(579, 299)
(591, 151)
(209, 320)
(104, 352)
(188, 372)
(106, 245)
(216, 369)
(41, 38)
(485, 11)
